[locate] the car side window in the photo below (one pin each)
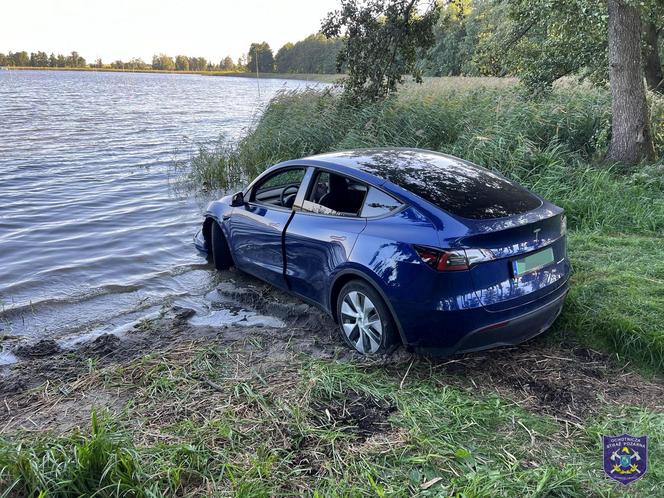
(378, 203)
(279, 189)
(335, 194)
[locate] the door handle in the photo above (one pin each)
(275, 225)
(340, 238)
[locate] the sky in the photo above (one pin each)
(122, 29)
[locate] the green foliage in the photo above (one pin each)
(543, 40)
(163, 62)
(103, 463)
(260, 54)
(227, 64)
(314, 54)
(382, 40)
(40, 59)
(457, 35)
(546, 40)
(182, 63)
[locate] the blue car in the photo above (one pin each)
(401, 247)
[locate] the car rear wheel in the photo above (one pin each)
(365, 322)
(221, 254)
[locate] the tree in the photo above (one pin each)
(547, 40)
(542, 41)
(452, 53)
(265, 61)
(182, 63)
(21, 58)
(284, 61)
(74, 60)
(631, 140)
(39, 59)
(197, 63)
(163, 62)
(315, 54)
(227, 64)
(136, 63)
(382, 39)
(653, 26)
(52, 60)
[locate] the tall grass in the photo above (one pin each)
(551, 145)
(102, 463)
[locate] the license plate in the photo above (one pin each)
(533, 262)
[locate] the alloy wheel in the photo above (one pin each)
(361, 322)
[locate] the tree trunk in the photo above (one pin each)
(652, 64)
(631, 140)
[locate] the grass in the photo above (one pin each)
(616, 300)
(552, 145)
(208, 421)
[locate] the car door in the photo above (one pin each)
(256, 228)
(322, 232)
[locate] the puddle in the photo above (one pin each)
(7, 358)
(217, 310)
(222, 318)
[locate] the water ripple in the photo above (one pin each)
(89, 229)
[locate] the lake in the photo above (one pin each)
(93, 236)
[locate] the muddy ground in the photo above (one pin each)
(49, 388)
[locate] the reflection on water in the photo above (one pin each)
(91, 234)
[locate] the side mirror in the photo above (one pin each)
(237, 200)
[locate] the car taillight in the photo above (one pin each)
(452, 260)
(563, 225)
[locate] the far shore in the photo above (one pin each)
(328, 78)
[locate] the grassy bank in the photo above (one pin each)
(329, 78)
(206, 419)
(553, 146)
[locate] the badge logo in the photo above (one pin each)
(625, 457)
(536, 232)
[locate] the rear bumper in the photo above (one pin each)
(506, 328)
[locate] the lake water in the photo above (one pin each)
(92, 234)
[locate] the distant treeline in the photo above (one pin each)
(314, 54)
(160, 62)
(41, 59)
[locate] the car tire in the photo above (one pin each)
(221, 253)
(365, 322)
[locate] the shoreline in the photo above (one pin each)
(327, 78)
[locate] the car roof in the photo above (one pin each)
(383, 162)
(456, 186)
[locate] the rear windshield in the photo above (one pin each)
(461, 188)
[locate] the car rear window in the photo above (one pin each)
(463, 189)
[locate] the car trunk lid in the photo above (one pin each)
(529, 258)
